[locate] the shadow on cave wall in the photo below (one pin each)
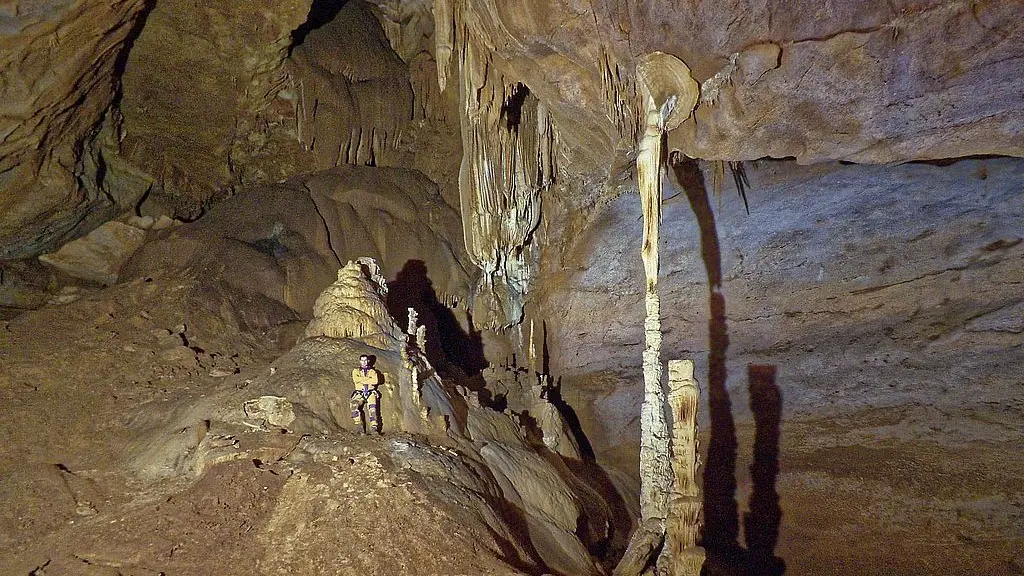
(448, 344)
(721, 512)
(761, 523)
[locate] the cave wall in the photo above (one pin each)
(865, 286)
(59, 66)
(216, 97)
(175, 105)
(855, 81)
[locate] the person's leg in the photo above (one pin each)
(356, 402)
(373, 412)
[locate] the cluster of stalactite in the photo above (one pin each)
(351, 97)
(508, 159)
(624, 103)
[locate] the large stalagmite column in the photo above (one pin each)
(669, 96)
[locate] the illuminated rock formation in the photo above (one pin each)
(352, 307)
(681, 556)
(508, 146)
(669, 95)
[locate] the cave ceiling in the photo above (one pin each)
(182, 103)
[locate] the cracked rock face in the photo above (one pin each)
(59, 68)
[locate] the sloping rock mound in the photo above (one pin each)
(285, 241)
(479, 458)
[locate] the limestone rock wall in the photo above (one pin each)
(857, 81)
(60, 63)
(866, 287)
(200, 89)
(286, 241)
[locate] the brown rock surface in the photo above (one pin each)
(197, 86)
(60, 63)
(865, 286)
(99, 255)
(286, 241)
(858, 81)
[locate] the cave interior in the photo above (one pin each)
(650, 287)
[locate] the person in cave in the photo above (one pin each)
(366, 398)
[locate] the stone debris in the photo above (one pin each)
(99, 255)
(274, 410)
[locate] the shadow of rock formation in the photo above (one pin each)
(448, 342)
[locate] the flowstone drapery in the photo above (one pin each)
(508, 149)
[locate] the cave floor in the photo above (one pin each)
(872, 492)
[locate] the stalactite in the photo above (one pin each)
(620, 94)
(508, 160)
(444, 38)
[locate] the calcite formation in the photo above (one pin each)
(669, 96)
(681, 556)
(349, 93)
(508, 145)
(352, 307)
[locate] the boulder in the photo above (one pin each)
(99, 255)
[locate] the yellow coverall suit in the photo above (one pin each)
(366, 395)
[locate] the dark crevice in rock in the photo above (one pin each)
(512, 108)
(327, 228)
(320, 13)
(943, 162)
(121, 61)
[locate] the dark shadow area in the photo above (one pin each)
(121, 60)
(942, 162)
(448, 345)
(320, 12)
(761, 524)
(512, 108)
(554, 396)
(721, 512)
(592, 485)
(609, 550)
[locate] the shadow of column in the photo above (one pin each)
(761, 524)
(721, 512)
